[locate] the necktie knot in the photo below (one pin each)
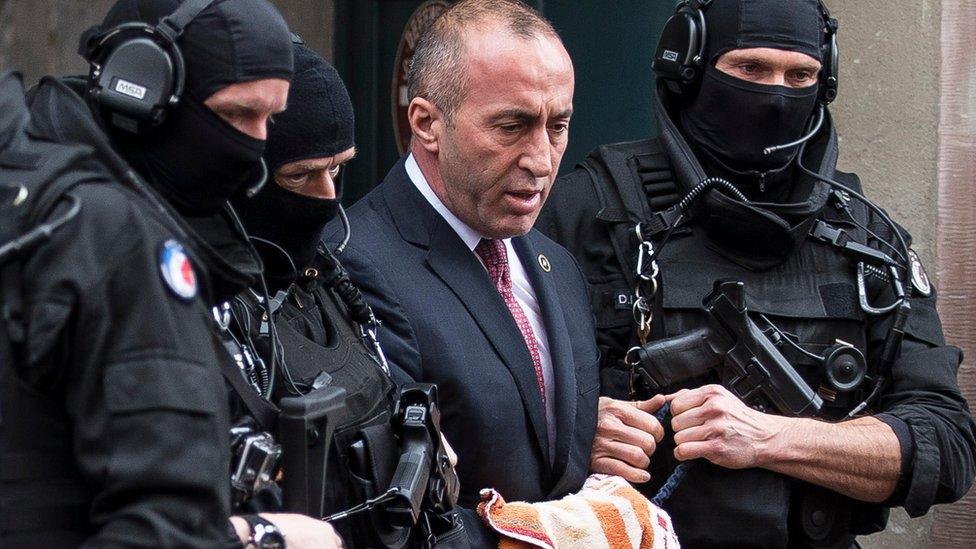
(493, 254)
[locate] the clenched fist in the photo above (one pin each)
(627, 433)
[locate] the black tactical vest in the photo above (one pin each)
(812, 296)
(317, 333)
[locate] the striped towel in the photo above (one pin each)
(608, 513)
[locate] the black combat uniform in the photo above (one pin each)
(322, 345)
(114, 429)
(325, 331)
(807, 288)
(111, 435)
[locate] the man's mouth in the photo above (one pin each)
(524, 202)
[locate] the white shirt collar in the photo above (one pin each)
(469, 236)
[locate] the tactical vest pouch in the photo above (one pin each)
(305, 428)
(369, 457)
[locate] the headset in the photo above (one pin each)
(680, 56)
(137, 70)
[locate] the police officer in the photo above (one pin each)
(741, 106)
(325, 329)
(110, 434)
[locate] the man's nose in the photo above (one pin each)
(255, 127)
(537, 157)
(779, 78)
(321, 185)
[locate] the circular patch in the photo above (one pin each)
(177, 271)
(544, 263)
(920, 280)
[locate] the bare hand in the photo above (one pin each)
(300, 531)
(710, 422)
(627, 433)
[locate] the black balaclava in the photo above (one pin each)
(196, 159)
(317, 124)
(730, 121)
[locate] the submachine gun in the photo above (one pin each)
(747, 362)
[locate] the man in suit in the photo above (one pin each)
(468, 295)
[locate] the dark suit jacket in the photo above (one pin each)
(444, 322)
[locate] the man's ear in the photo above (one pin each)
(426, 121)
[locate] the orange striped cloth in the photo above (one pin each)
(608, 513)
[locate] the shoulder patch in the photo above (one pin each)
(920, 280)
(177, 271)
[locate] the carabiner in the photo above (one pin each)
(862, 294)
(646, 249)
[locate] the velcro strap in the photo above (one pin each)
(44, 518)
(20, 467)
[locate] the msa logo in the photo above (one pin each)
(130, 89)
(670, 55)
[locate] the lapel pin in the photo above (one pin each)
(544, 263)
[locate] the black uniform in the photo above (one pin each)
(325, 331)
(111, 435)
(322, 345)
(113, 432)
(806, 288)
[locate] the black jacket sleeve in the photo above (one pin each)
(923, 392)
(136, 366)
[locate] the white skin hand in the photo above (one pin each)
(627, 434)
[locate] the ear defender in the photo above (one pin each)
(829, 72)
(137, 74)
(679, 58)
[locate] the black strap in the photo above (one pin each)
(34, 466)
(44, 518)
(263, 411)
(172, 25)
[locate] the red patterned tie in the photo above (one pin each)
(492, 253)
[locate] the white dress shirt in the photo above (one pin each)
(521, 287)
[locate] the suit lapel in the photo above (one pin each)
(560, 347)
(419, 223)
(458, 267)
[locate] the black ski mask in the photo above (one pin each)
(196, 159)
(731, 120)
(734, 120)
(317, 124)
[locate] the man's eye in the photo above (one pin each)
(293, 181)
(749, 68)
(561, 127)
(803, 76)
(511, 128)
